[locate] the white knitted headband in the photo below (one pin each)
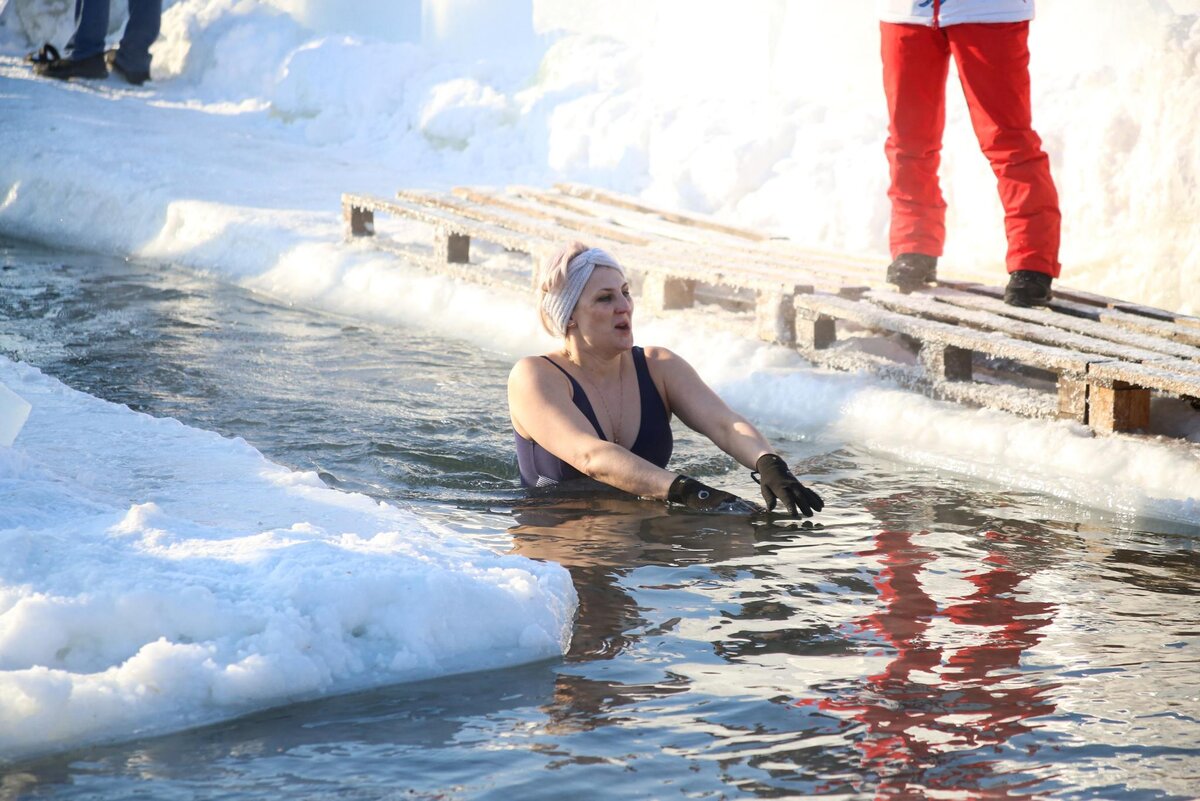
(559, 305)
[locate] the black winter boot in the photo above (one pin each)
(912, 270)
(1028, 288)
(135, 77)
(48, 64)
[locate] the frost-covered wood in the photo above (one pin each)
(1100, 358)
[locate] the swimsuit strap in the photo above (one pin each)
(647, 390)
(579, 396)
(654, 433)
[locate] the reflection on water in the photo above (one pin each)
(940, 696)
(601, 537)
(924, 637)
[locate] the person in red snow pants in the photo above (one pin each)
(993, 66)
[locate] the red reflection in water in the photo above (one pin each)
(936, 698)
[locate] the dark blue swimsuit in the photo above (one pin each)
(540, 468)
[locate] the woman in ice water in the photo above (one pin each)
(601, 407)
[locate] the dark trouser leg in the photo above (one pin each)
(91, 26)
(145, 20)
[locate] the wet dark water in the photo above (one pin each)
(929, 637)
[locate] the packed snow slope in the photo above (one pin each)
(769, 114)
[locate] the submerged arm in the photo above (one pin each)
(540, 404)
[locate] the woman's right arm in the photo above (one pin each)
(539, 402)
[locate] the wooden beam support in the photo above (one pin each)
(662, 292)
(814, 331)
(1119, 407)
(451, 247)
(359, 221)
(1072, 398)
(775, 315)
(946, 362)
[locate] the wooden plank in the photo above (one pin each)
(660, 228)
(937, 338)
(763, 249)
(633, 204)
(1170, 376)
(504, 218)
(566, 219)
(1129, 307)
(1087, 327)
(671, 264)
(514, 280)
(994, 344)
(934, 306)
(448, 221)
(869, 268)
(763, 246)
(683, 242)
(1131, 322)
(669, 285)
(1018, 400)
(1185, 332)
(756, 273)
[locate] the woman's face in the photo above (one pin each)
(604, 314)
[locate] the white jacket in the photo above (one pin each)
(954, 12)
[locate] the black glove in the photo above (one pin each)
(778, 484)
(702, 498)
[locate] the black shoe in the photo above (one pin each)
(48, 64)
(1028, 288)
(135, 77)
(912, 270)
(47, 54)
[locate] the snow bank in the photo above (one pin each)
(154, 577)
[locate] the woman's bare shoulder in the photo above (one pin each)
(658, 353)
(660, 357)
(533, 369)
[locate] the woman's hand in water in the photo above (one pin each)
(778, 484)
(699, 497)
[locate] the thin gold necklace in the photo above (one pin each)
(614, 421)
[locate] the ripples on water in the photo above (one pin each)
(928, 637)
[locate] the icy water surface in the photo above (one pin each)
(928, 637)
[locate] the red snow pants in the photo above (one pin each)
(993, 66)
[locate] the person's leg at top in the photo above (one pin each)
(916, 62)
(131, 60)
(993, 64)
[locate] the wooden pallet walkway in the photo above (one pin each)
(1088, 358)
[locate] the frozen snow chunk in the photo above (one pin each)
(14, 411)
